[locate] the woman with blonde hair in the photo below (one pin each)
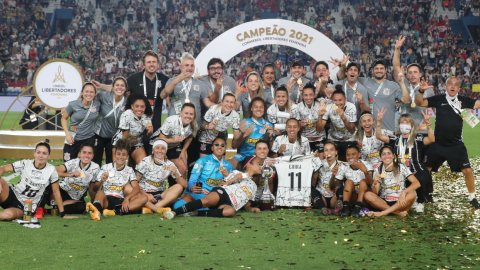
(254, 85)
(408, 148)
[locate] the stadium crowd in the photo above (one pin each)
(112, 45)
(362, 137)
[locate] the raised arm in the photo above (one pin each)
(169, 88)
(378, 130)
(405, 94)
(431, 136)
(104, 87)
(321, 112)
(396, 56)
(420, 100)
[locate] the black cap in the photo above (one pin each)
(297, 62)
(379, 61)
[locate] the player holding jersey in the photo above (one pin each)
(79, 175)
(208, 172)
(389, 193)
(35, 176)
(113, 178)
(229, 196)
(252, 129)
(323, 195)
(357, 177)
(291, 143)
(152, 173)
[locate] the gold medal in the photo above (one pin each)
(320, 80)
(111, 174)
(182, 136)
(165, 167)
(266, 126)
(355, 91)
(299, 81)
(82, 174)
(403, 160)
(216, 122)
(335, 107)
(383, 175)
(220, 168)
(149, 124)
(413, 105)
(309, 121)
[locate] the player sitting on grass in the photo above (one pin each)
(79, 175)
(207, 173)
(114, 177)
(35, 176)
(152, 172)
(357, 175)
(229, 196)
(388, 190)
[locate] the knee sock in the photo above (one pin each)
(189, 207)
(211, 213)
(178, 204)
(317, 198)
(74, 208)
(98, 206)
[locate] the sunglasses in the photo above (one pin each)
(219, 145)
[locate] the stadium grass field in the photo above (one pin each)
(446, 236)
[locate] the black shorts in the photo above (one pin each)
(174, 153)
(317, 145)
(224, 199)
(11, 201)
(113, 201)
(342, 147)
(66, 196)
(206, 148)
(71, 151)
(456, 156)
(390, 203)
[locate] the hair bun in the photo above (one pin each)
(338, 87)
(47, 141)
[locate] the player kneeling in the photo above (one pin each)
(229, 196)
(114, 177)
(389, 182)
(152, 172)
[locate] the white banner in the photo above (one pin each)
(57, 82)
(265, 32)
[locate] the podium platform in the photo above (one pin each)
(20, 144)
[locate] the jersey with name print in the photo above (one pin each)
(129, 121)
(223, 123)
(345, 172)
(274, 119)
(153, 175)
(172, 127)
(338, 131)
(113, 186)
(310, 130)
(295, 179)
(240, 192)
(392, 186)
(291, 149)
(324, 176)
(77, 187)
(33, 181)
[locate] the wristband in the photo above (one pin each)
(429, 126)
(420, 91)
(361, 103)
(62, 214)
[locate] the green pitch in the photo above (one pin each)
(447, 235)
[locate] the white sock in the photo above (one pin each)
(471, 196)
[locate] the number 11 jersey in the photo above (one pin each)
(295, 179)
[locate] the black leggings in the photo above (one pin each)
(426, 186)
(101, 145)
